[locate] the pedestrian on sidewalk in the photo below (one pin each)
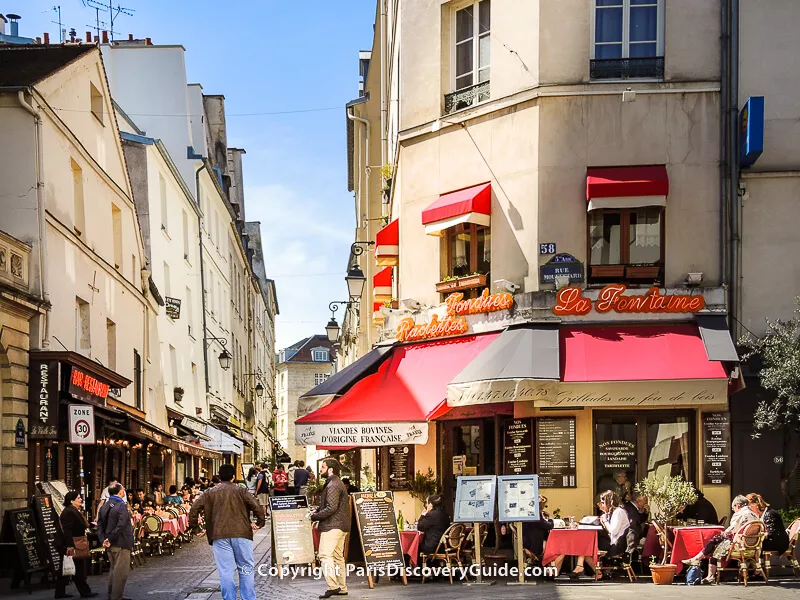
(290, 485)
(301, 478)
(114, 527)
(226, 509)
(333, 515)
(73, 528)
(280, 480)
(262, 486)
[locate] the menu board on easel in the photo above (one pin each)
(475, 499)
(293, 542)
(556, 452)
(380, 538)
(518, 447)
(49, 530)
(19, 526)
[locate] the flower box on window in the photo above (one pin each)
(457, 284)
(608, 271)
(647, 272)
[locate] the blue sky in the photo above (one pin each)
(267, 55)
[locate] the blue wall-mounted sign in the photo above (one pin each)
(561, 265)
(751, 131)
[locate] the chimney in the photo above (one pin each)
(46, 38)
(14, 20)
(130, 37)
(105, 37)
(2, 25)
(148, 42)
(38, 40)
(72, 34)
(88, 37)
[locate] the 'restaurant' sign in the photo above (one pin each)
(454, 322)
(173, 307)
(360, 434)
(570, 301)
(717, 448)
(83, 385)
(43, 398)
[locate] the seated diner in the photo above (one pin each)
(535, 533)
(777, 539)
(433, 522)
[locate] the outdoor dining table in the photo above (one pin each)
(686, 542)
(572, 542)
(410, 540)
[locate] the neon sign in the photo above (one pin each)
(570, 301)
(454, 322)
(80, 381)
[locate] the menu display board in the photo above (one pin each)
(518, 447)
(49, 530)
(19, 526)
(555, 457)
(616, 455)
(401, 467)
(717, 448)
(377, 524)
(518, 498)
(475, 499)
(292, 541)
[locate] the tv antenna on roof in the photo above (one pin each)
(57, 9)
(113, 11)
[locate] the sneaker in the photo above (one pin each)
(329, 593)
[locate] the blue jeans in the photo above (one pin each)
(232, 554)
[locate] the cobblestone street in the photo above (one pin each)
(191, 575)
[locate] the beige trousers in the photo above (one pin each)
(120, 559)
(331, 556)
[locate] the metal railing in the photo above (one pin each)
(627, 68)
(466, 97)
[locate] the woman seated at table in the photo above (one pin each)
(612, 539)
(433, 522)
(173, 497)
(535, 533)
(717, 547)
(777, 539)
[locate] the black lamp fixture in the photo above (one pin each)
(259, 389)
(259, 376)
(332, 329)
(355, 276)
(225, 358)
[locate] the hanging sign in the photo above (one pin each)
(454, 322)
(43, 398)
(751, 134)
(570, 301)
(367, 435)
(81, 424)
(716, 448)
(85, 386)
(173, 307)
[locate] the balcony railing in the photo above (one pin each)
(627, 68)
(466, 97)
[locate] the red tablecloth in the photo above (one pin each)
(409, 541)
(172, 526)
(652, 547)
(689, 541)
(572, 542)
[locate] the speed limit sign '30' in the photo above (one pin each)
(81, 424)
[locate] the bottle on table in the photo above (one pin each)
(401, 521)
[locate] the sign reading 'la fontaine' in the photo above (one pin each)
(571, 301)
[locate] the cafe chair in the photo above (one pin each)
(621, 562)
(447, 551)
(468, 551)
(746, 550)
(767, 555)
(723, 522)
(137, 554)
(157, 539)
(528, 556)
(662, 535)
(98, 560)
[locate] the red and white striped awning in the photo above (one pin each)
(470, 205)
(382, 285)
(626, 187)
(387, 245)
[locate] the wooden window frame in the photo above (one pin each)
(473, 229)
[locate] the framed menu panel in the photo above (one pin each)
(475, 499)
(518, 447)
(555, 458)
(716, 448)
(401, 467)
(518, 498)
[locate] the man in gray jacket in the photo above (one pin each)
(333, 515)
(114, 527)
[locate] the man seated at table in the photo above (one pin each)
(535, 533)
(637, 510)
(701, 510)
(433, 522)
(139, 501)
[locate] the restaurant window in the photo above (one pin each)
(626, 245)
(471, 56)
(628, 39)
(630, 447)
(468, 250)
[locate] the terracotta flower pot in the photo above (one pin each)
(663, 574)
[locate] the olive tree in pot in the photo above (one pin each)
(667, 496)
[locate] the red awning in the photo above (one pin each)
(631, 353)
(470, 205)
(382, 285)
(621, 187)
(387, 245)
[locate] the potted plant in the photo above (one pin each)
(451, 283)
(424, 485)
(667, 495)
(178, 391)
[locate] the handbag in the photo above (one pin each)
(68, 566)
(81, 547)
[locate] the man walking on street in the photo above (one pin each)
(333, 515)
(114, 528)
(301, 478)
(226, 508)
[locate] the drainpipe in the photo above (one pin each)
(733, 164)
(202, 275)
(723, 134)
(44, 341)
(383, 84)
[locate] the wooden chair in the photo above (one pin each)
(745, 550)
(767, 555)
(723, 521)
(97, 560)
(621, 562)
(448, 550)
(662, 535)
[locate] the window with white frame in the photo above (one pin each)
(319, 355)
(471, 55)
(320, 378)
(627, 29)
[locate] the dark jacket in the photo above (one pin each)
(534, 533)
(777, 539)
(114, 523)
(226, 511)
(334, 506)
(636, 518)
(433, 525)
(73, 524)
(300, 478)
(701, 510)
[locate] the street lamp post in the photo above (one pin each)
(224, 357)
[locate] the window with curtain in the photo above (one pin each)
(628, 29)
(468, 248)
(626, 244)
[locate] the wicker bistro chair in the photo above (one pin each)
(448, 550)
(621, 562)
(157, 539)
(794, 535)
(746, 550)
(137, 554)
(181, 538)
(468, 551)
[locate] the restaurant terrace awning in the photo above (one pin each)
(382, 285)
(393, 406)
(387, 245)
(521, 364)
(222, 442)
(469, 205)
(626, 187)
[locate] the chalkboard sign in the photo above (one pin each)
(19, 526)
(380, 539)
(555, 456)
(518, 447)
(49, 530)
(717, 448)
(292, 541)
(401, 467)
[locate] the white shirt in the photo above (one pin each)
(617, 524)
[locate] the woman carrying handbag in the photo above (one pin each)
(76, 546)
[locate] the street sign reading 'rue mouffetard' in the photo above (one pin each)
(81, 424)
